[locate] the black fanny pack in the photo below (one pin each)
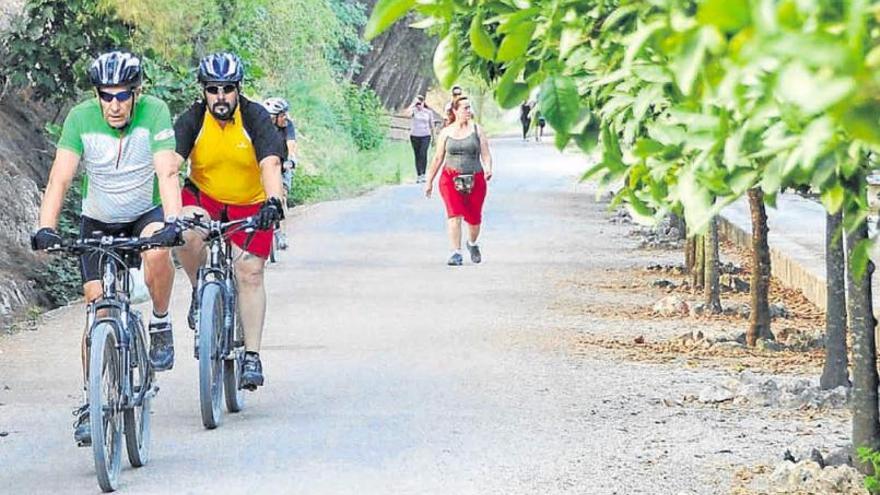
(464, 183)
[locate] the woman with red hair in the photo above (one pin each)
(463, 154)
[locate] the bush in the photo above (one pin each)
(366, 119)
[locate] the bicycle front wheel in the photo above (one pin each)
(232, 373)
(211, 319)
(104, 400)
(137, 416)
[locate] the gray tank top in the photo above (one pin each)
(463, 155)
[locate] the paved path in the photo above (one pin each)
(391, 373)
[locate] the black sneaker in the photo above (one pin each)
(251, 372)
(455, 260)
(161, 346)
(82, 428)
(193, 309)
(475, 253)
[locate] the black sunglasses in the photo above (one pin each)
(227, 88)
(121, 96)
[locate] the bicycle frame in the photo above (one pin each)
(114, 307)
(220, 269)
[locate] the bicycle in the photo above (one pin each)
(219, 340)
(120, 375)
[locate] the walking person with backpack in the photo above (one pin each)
(463, 155)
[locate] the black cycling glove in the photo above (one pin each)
(169, 235)
(45, 238)
(270, 213)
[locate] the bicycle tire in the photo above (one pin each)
(211, 315)
(232, 376)
(104, 397)
(137, 418)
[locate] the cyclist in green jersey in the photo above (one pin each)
(125, 141)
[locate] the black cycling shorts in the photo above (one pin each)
(90, 264)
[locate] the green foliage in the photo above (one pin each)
(868, 455)
(343, 56)
(697, 100)
(59, 279)
(366, 121)
(354, 173)
(49, 47)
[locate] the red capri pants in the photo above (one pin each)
(469, 206)
(260, 240)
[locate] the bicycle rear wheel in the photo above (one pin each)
(211, 316)
(232, 373)
(104, 400)
(137, 417)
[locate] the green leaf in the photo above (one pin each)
(515, 44)
(859, 258)
(446, 60)
(509, 92)
(480, 40)
(639, 39)
(386, 13)
(799, 86)
(559, 102)
(647, 147)
(515, 94)
(687, 64)
(832, 197)
(727, 15)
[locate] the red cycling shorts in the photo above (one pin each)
(469, 206)
(260, 240)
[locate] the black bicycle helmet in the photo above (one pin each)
(116, 69)
(276, 105)
(221, 67)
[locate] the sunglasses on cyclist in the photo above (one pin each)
(226, 88)
(121, 96)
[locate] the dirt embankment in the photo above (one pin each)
(25, 157)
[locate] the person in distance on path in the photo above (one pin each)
(463, 154)
(421, 134)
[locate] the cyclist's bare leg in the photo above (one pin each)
(251, 296)
(92, 290)
(192, 254)
(158, 272)
(453, 227)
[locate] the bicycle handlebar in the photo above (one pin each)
(105, 243)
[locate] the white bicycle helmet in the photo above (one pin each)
(276, 105)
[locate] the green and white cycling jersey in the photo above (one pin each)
(120, 180)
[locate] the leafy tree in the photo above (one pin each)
(48, 48)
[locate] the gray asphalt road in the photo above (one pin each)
(389, 372)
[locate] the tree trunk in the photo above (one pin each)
(835, 372)
(866, 423)
(698, 274)
(690, 246)
(759, 320)
(712, 287)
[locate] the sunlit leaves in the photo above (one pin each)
(446, 60)
(386, 13)
(481, 42)
(516, 42)
(559, 102)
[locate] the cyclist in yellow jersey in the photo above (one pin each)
(234, 154)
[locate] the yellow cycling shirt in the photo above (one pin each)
(225, 161)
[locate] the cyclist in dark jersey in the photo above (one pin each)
(234, 158)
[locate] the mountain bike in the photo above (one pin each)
(120, 375)
(219, 338)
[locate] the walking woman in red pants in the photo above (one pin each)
(463, 155)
